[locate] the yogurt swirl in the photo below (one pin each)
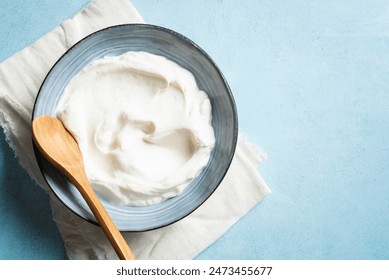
(142, 124)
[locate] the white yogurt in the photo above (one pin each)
(142, 125)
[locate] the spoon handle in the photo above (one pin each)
(113, 234)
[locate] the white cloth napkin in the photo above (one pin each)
(20, 78)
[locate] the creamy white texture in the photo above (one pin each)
(143, 126)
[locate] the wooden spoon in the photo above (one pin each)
(62, 150)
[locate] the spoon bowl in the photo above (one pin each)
(61, 149)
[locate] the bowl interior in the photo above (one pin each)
(114, 41)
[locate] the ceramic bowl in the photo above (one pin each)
(114, 41)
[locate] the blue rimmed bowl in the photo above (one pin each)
(117, 40)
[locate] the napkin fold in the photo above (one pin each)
(20, 78)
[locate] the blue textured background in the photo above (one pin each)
(311, 82)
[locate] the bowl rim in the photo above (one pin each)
(187, 41)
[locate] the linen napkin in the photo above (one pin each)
(20, 78)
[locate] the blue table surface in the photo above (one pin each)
(311, 83)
